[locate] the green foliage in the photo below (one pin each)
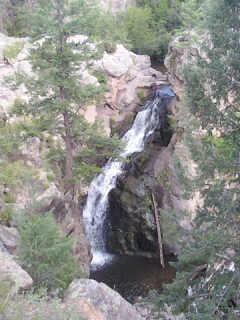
(170, 225)
(6, 216)
(130, 119)
(205, 287)
(108, 46)
(9, 138)
(20, 21)
(56, 91)
(12, 50)
(50, 177)
(137, 23)
(191, 14)
(162, 178)
(4, 18)
(85, 172)
(107, 29)
(9, 198)
(101, 76)
(6, 294)
(160, 20)
(140, 95)
(12, 173)
(44, 254)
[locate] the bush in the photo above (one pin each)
(12, 50)
(44, 254)
(9, 198)
(6, 216)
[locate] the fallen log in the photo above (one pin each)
(159, 232)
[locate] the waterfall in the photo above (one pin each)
(95, 210)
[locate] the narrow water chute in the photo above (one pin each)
(96, 207)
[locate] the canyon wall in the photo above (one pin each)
(128, 78)
(152, 173)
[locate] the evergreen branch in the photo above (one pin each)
(225, 291)
(74, 116)
(213, 239)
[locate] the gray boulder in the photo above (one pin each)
(9, 238)
(3, 248)
(96, 301)
(10, 269)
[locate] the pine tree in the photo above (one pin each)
(44, 254)
(57, 93)
(207, 284)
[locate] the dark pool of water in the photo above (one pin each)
(135, 276)
(158, 65)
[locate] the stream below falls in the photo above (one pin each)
(133, 276)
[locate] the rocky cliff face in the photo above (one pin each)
(129, 77)
(131, 218)
(179, 50)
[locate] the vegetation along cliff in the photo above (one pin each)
(74, 77)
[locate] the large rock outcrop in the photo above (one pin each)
(127, 77)
(96, 301)
(180, 49)
(11, 270)
(9, 238)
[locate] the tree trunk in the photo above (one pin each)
(159, 233)
(69, 153)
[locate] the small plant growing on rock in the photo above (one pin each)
(101, 76)
(140, 95)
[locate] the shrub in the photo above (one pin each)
(44, 254)
(12, 50)
(6, 216)
(140, 95)
(101, 76)
(9, 198)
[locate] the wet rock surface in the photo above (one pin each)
(132, 226)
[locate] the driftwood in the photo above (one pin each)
(159, 233)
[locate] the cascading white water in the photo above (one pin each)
(94, 213)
